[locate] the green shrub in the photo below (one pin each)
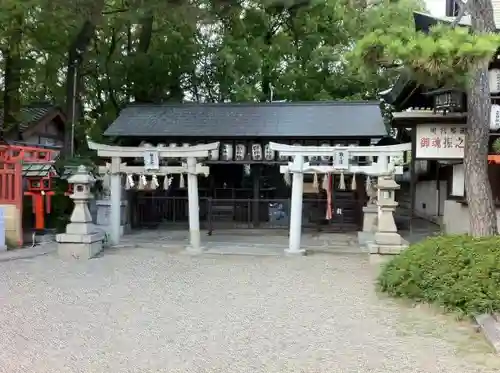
(459, 273)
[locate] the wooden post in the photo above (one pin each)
(256, 171)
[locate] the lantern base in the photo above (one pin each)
(79, 246)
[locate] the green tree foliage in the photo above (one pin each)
(172, 50)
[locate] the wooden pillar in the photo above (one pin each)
(413, 175)
(116, 200)
(256, 173)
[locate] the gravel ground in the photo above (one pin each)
(147, 310)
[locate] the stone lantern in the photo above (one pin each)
(82, 239)
(387, 240)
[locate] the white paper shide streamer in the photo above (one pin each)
(315, 182)
(286, 177)
(325, 185)
(167, 181)
(106, 181)
(342, 181)
(353, 182)
(142, 182)
(182, 182)
(129, 182)
(154, 182)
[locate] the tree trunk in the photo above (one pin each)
(76, 54)
(483, 220)
(12, 79)
(141, 91)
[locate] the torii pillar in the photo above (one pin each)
(297, 169)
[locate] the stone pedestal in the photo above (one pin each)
(370, 217)
(387, 240)
(103, 220)
(82, 239)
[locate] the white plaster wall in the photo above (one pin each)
(456, 218)
(426, 198)
(496, 12)
(437, 8)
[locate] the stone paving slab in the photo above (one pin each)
(29, 252)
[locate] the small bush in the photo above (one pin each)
(459, 273)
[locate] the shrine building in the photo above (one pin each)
(244, 187)
(434, 119)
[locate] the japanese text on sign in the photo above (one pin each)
(341, 159)
(440, 141)
(151, 160)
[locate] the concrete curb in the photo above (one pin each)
(490, 326)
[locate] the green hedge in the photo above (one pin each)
(459, 273)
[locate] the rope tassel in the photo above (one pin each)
(342, 181)
(353, 182)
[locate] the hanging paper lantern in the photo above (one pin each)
(494, 78)
(227, 152)
(214, 155)
(495, 117)
(256, 152)
(268, 153)
(325, 158)
(240, 152)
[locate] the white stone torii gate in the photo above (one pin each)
(298, 167)
(191, 153)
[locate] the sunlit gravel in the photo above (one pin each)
(147, 310)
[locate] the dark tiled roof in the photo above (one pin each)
(31, 114)
(37, 169)
(303, 119)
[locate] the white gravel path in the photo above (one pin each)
(146, 310)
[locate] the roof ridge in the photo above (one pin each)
(257, 104)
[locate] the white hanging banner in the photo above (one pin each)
(341, 159)
(494, 79)
(495, 117)
(151, 160)
(440, 141)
